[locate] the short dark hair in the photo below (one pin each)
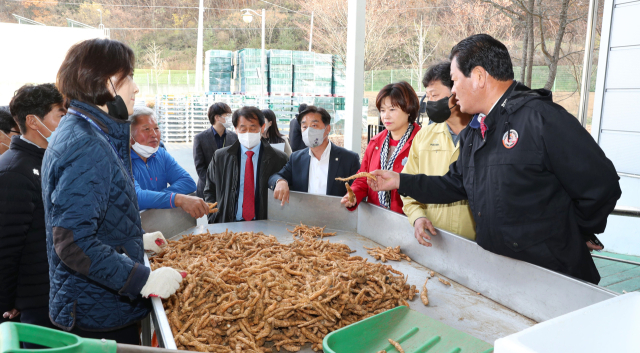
(402, 95)
(274, 133)
(89, 65)
(302, 107)
(324, 114)
(249, 113)
(438, 72)
(485, 51)
(6, 120)
(217, 109)
(37, 100)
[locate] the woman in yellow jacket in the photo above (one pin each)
(434, 148)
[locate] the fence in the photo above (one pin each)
(181, 117)
(565, 80)
(183, 80)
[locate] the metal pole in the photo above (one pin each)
(355, 75)
(586, 65)
(263, 56)
(615, 259)
(198, 86)
(311, 32)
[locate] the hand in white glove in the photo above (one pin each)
(154, 242)
(162, 283)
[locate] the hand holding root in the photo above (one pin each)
(162, 282)
(386, 180)
(349, 200)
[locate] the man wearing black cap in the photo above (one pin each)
(538, 185)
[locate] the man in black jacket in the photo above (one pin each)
(206, 143)
(24, 269)
(295, 134)
(538, 185)
(315, 168)
(237, 176)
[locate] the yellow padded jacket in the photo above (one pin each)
(431, 153)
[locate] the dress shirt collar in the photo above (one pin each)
(325, 155)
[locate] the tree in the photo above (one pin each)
(330, 29)
(419, 49)
(153, 57)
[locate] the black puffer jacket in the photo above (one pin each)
(223, 180)
(24, 270)
(535, 194)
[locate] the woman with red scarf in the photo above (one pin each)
(389, 150)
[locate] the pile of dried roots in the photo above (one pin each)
(244, 289)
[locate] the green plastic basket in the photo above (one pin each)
(416, 333)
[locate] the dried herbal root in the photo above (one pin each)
(423, 295)
(444, 281)
(388, 253)
(352, 196)
(432, 274)
(306, 232)
(359, 175)
(212, 207)
(397, 345)
(246, 289)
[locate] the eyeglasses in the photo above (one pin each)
(14, 131)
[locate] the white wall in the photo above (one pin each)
(616, 123)
(33, 54)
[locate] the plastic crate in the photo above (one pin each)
(323, 60)
(303, 58)
(218, 53)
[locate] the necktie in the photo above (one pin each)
(483, 126)
(248, 197)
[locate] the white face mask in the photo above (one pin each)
(144, 151)
(249, 139)
(313, 137)
(228, 121)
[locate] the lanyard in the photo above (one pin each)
(77, 113)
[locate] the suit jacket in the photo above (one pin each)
(342, 163)
(204, 146)
(223, 180)
(295, 136)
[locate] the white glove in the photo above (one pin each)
(154, 242)
(162, 283)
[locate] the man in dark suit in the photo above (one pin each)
(295, 135)
(238, 175)
(315, 168)
(206, 143)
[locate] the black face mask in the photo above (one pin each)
(117, 108)
(439, 111)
